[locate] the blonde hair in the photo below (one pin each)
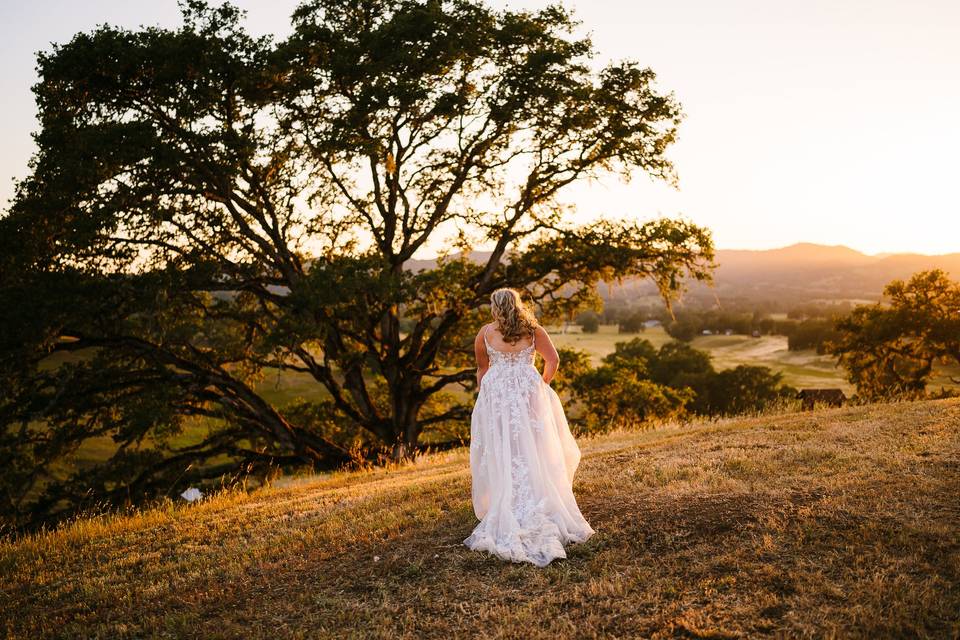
(513, 319)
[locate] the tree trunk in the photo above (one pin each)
(402, 451)
(406, 435)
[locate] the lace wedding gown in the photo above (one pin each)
(522, 457)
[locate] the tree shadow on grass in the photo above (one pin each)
(424, 583)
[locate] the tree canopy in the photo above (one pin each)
(639, 384)
(206, 207)
(890, 349)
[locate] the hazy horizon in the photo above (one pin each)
(827, 123)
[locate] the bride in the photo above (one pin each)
(522, 455)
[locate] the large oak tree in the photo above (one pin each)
(205, 206)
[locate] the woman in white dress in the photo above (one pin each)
(522, 454)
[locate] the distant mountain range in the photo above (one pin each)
(812, 271)
(798, 273)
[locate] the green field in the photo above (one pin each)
(799, 368)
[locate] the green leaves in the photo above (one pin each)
(889, 350)
(667, 251)
(206, 207)
(639, 384)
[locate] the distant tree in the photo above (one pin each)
(739, 323)
(889, 349)
(206, 207)
(788, 327)
(636, 355)
(813, 310)
(589, 322)
(639, 383)
(765, 325)
(612, 396)
(814, 333)
(612, 312)
(632, 322)
(746, 389)
(619, 392)
(685, 328)
(676, 359)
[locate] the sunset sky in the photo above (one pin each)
(828, 121)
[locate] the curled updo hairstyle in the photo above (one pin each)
(514, 320)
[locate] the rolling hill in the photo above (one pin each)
(798, 273)
(838, 523)
(813, 271)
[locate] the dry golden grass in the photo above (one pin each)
(840, 523)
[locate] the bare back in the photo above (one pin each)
(495, 339)
(540, 339)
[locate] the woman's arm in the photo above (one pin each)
(551, 359)
(480, 351)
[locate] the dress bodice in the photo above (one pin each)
(509, 358)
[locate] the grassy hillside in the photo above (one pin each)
(836, 523)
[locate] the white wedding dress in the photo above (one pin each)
(522, 457)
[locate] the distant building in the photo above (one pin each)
(809, 398)
(647, 324)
